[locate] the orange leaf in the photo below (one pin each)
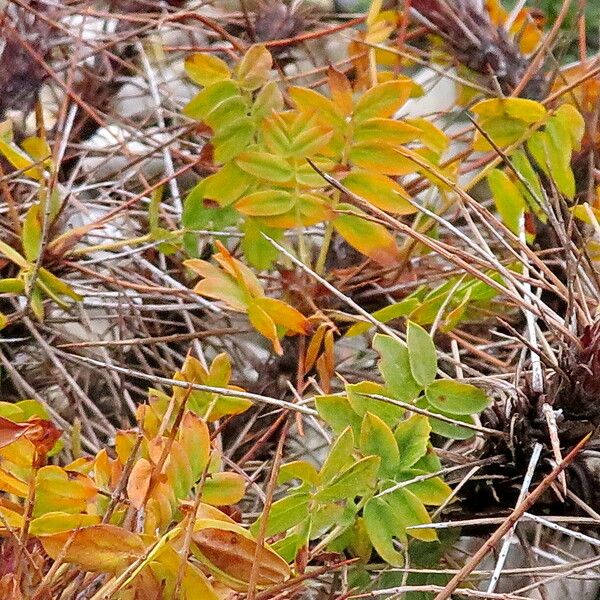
(341, 90)
(229, 552)
(372, 239)
(313, 347)
(238, 270)
(285, 315)
(138, 483)
(99, 548)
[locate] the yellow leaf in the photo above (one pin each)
(11, 484)
(55, 522)
(205, 69)
(381, 191)
(265, 325)
(522, 109)
(381, 158)
(390, 131)
(55, 489)
(223, 489)
(225, 289)
(573, 122)
(254, 69)
(311, 102)
(266, 203)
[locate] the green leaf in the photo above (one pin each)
(448, 430)
(223, 489)
(225, 186)
(412, 438)
(384, 315)
(536, 145)
(523, 109)
(456, 398)
(233, 140)
(266, 203)
(339, 457)
(521, 164)
(356, 480)
(12, 285)
(53, 522)
(16, 157)
(383, 100)
(394, 365)
(299, 538)
(507, 197)
(430, 463)
(558, 155)
(268, 99)
(503, 131)
(57, 286)
(326, 516)
(37, 303)
(411, 511)
(226, 112)
(298, 469)
(265, 166)
(338, 413)
(431, 492)
(259, 252)
(422, 356)
(211, 96)
(376, 438)
(362, 404)
(284, 514)
(383, 526)
(206, 69)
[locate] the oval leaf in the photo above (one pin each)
(456, 398)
